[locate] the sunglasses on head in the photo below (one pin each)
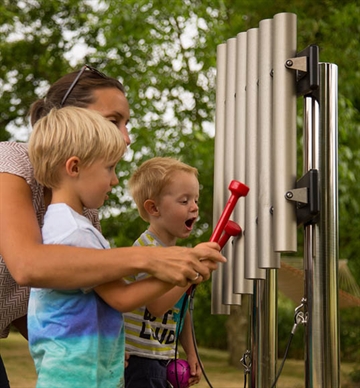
(81, 72)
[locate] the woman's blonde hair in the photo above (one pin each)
(149, 180)
(72, 131)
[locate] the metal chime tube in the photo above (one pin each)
(322, 363)
(219, 185)
(266, 291)
(277, 142)
(228, 297)
(241, 285)
(268, 258)
(252, 270)
(284, 135)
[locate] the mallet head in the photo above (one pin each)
(239, 189)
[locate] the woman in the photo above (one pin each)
(25, 262)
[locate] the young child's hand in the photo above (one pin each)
(127, 356)
(195, 370)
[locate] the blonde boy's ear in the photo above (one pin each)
(151, 208)
(72, 166)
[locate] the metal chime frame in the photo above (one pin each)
(260, 76)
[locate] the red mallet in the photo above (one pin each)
(231, 229)
(238, 190)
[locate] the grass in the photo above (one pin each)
(21, 371)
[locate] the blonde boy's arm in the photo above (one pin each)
(127, 297)
(161, 305)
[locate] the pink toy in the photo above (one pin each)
(182, 369)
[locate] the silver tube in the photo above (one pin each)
(216, 284)
(284, 140)
(241, 285)
(322, 352)
(264, 344)
(228, 297)
(268, 258)
(266, 292)
(311, 160)
(252, 271)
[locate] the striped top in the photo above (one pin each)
(146, 335)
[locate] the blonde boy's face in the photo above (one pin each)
(177, 209)
(94, 183)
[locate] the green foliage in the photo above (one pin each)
(350, 334)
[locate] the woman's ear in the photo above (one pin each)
(72, 166)
(151, 208)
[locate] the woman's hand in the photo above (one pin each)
(181, 266)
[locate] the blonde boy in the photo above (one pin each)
(76, 337)
(166, 192)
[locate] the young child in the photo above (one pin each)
(166, 192)
(76, 337)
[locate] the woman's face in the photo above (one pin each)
(114, 106)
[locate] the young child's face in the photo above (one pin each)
(178, 207)
(95, 183)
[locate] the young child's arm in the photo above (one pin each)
(127, 297)
(161, 305)
(187, 343)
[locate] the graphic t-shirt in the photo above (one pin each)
(149, 336)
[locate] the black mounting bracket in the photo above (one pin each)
(307, 198)
(306, 64)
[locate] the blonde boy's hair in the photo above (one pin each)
(72, 131)
(149, 180)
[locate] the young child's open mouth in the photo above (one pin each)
(190, 223)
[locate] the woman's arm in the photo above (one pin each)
(56, 266)
(127, 297)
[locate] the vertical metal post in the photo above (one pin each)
(264, 332)
(322, 363)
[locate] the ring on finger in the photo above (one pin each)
(197, 276)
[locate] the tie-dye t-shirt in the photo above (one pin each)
(75, 338)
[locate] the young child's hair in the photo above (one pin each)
(72, 131)
(148, 181)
